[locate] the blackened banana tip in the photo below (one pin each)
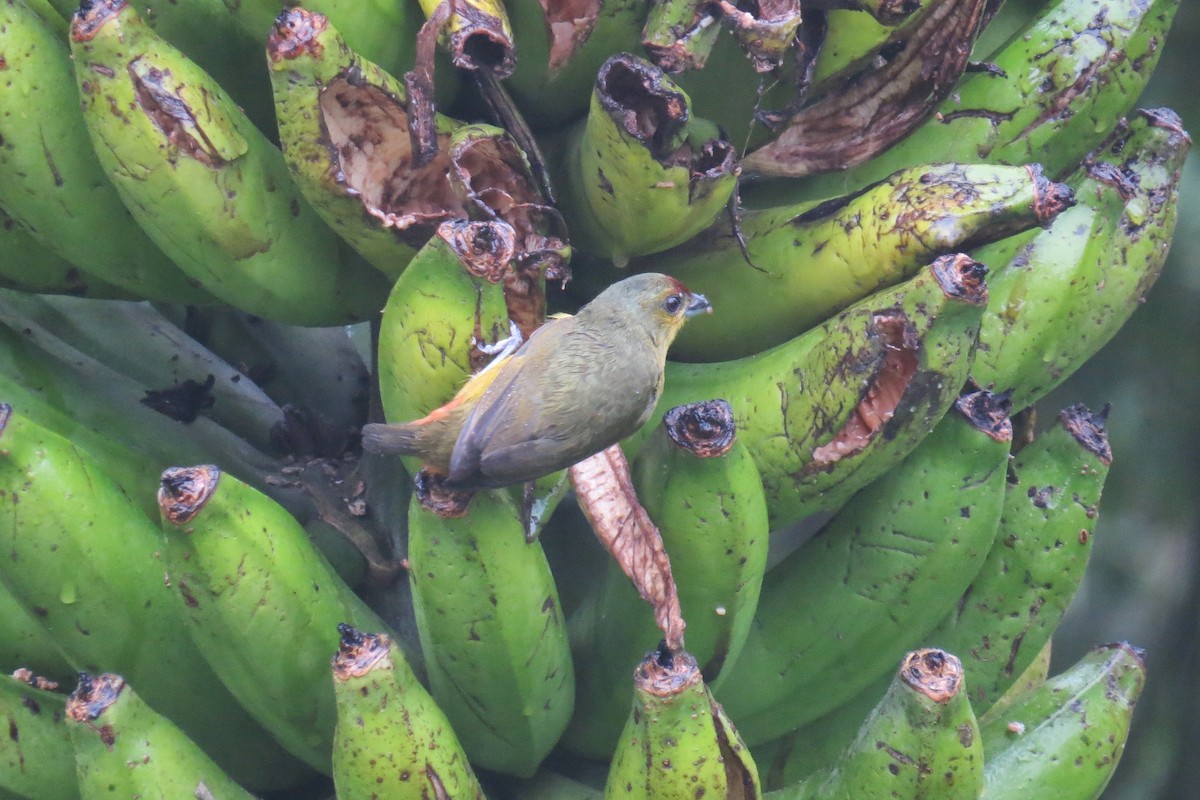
(184, 491)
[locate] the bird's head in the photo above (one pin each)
(658, 303)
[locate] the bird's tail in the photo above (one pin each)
(402, 439)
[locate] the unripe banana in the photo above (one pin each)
(391, 738)
(204, 183)
(50, 178)
(808, 262)
(492, 629)
(476, 33)
(921, 740)
(27, 265)
(884, 569)
(25, 642)
(640, 175)
(262, 602)
(1019, 595)
(680, 34)
(1069, 289)
(124, 748)
(548, 785)
(103, 598)
(1065, 738)
(678, 742)
(840, 405)
(703, 492)
(1032, 106)
(561, 50)
(36, 757)
(344, 129)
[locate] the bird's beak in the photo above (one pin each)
(699, 305)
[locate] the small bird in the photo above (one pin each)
(578, 385)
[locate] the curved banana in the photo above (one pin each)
(921, 740)
(113, 730)
(391, 738)
(103, 598)
(1065, 738)
(885, 568)
(51, 180)
(640, 175)
(204, 183)
(36, 757)
(1067, 290)
(678, 741)
(493, 633)
(808, 262)
(344, 128)
(841, 404)
(701, 488)
(27, 265)
(263, 604)
(1019, 595)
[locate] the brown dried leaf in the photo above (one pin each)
(605, 493)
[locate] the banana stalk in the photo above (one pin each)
(391, 738)
(680, 34)
(1021, 592)
(640, 175)
(807, 262)
(263, 604)
(1065, 738)
(921, 740)
(1069, 289)
(51, 180)
(124, 748)
(1032, 106)
(476, 33)
(344, 128)
(678, 742)
(489, 619)
(765, 29)
(701, 488)
(838, 406)
(36, 757)
(204, 183)
(908, 543)
(103, 599)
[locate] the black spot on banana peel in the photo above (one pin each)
(183, 491)
(93, 695)
(706, 429)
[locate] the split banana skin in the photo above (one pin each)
(233, 233)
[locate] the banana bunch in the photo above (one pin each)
(232, 234)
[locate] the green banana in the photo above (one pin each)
(1064, 738)
(766, 31)
(476, 33)
(490, 623)
(888, 12)
(840, 405)
(562, 48)
(102, 598)
(546, 785)
(1032, 106)
(701, 488)
(204, 183)
(1068, 289)
(25, 642)
(124, 748)
(640, 175)
(1020, 593)
(391, 738)
(678, 742)
(680, 34)
(262, 602)
(884, 569)
(921, 740)
(27, 265)
(807, 262)
(344, 129)
(136, 341)
(52, 182)
(36, 757)
(864, 115)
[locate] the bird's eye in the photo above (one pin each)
(673, 303)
